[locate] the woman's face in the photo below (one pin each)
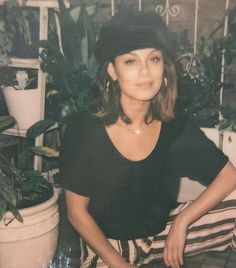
(139, 73)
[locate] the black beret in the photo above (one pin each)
(129, 30)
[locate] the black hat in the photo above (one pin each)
(129, 30)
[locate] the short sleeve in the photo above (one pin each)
(74, 163)
(195, 156)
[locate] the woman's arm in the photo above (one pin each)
(84, 223)
(221, 187)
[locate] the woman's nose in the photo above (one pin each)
(144, 68)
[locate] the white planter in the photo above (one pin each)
(24, 105)
(31, 244)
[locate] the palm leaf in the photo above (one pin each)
(39, 128)
(6, 190)
(3, 207)
(6, 141)
(86, 29)
(6, 122)
(70, 36)
(45, 151)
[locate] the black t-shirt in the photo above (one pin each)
(132, 199)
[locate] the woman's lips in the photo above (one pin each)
(144, 84)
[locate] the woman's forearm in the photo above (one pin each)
(84, 223)
(93, 235)
(220, 188)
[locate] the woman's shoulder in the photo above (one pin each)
(183, 128)
(81, 129)
(176, 126)
(83, 119)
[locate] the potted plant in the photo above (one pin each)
(70, 76)
(28, 210)
(19, 86)
(21, 95)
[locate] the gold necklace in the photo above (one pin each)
(133, 130)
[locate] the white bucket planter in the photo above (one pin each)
(24, 105)
(31, 244)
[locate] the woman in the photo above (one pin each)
(121, 163)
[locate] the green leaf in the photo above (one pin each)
(86, 30)
(6, 190)
(39, 128)
(3, 207)
(45, 151)
(15, 213)
(6, 141)
(6, 122)
(70, 36)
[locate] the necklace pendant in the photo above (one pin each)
(137, 131)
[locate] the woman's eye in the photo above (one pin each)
(155, 59)
(129, 62)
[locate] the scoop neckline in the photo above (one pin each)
(155, 147)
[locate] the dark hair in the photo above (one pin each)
(127, 31)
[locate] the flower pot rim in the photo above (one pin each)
(37, 208)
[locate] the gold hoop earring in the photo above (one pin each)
(107, 86)
(165, 81)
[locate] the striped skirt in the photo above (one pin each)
(215, 231)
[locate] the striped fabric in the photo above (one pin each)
(215, 231)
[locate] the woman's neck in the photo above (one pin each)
(136, 111)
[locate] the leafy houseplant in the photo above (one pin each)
(15, 21)
(20, 187)
(29, 214)
(68, 75)
(25, 195)
(199, 76)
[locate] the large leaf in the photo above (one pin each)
(6, 122)
(6, 141)
(3, 207)
(39, 128)
(45, 151)
(6, 190)
(55, 64)
(15, 213)
(87, 30)
(70, 36)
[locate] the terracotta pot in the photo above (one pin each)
(24, 105)
(31, 244)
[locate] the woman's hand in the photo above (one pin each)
(174, 245)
